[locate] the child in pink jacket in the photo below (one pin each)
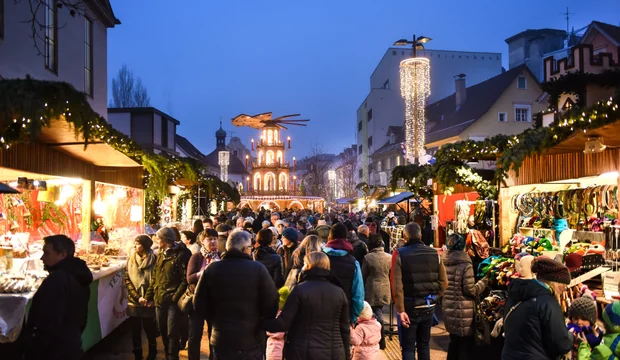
(275, 342)
(366, 335)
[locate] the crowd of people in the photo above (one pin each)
(310, 286)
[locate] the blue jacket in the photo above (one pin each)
(357, 289)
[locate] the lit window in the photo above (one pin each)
(502, 117)
(88, 56)
(522, 113)
(51, 35)
(521, 82)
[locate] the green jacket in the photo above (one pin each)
(609, 349)
(169, 276)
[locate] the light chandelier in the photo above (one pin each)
(415, 87)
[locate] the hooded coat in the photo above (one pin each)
(169, 276)
(458, 300)
(536, 328)
(58, 313)
(316, 317)
(366, 337)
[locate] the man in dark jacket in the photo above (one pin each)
(60, 305)
(168, 285)
(535, 328)
(346, 269)
(360, 249)
(233, 296)
(418, 278)
(290, 238)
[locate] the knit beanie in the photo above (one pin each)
(284, 293)
(456, 242)
(145, 241)
(550, 270)
(290, 234)
(167, 234)
(583, 308)
(611, 317)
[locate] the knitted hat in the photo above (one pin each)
(284, 293)
(366, 312)
(145, 241)
(290, 234)
(550, 270)
(167, 234)
(583, 308)
(611, 317)
(456, 242)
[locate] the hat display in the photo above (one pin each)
(290, 234)
(573, 261)
(167, 234)
(583, 308)
(550, 270)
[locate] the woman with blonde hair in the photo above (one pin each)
(316, 314)
(311, 243)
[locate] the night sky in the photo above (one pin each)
(212, 59)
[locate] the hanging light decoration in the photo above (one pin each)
(415, 87)
(224, 161)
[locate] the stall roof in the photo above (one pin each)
(403, 196)
(609, 135)
(344, 201)
(61, 135)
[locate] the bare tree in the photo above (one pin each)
(127, 91)
(316, 176)
(347, 173)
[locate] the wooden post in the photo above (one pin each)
(88, 194)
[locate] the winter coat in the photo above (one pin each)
(536, 328)
(323, 231)
(287, 258)
(458, 300)
(603, 351)
(352, 282)
(359, 247)
(169, 276)
(233, 295)
(58, 313)
(134, 291)
(364, 238)
(272, 261)
(365, 337)
(316, 316)
(376, 273)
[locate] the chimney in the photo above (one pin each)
(460, 90)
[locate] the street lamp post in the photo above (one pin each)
(415, 87)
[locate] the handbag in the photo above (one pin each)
(482, 328)
(186, 302)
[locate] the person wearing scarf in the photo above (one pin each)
(196, 266)
(137, 280)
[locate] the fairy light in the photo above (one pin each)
(224, 161)
(415, 86)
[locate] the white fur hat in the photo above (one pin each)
(366, 312)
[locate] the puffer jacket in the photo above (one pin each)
(365, 337)
(169, 276)
(536, 328)
(458, 301)
(603, 351)
(272, 261)
(376, 273)
(316, 316)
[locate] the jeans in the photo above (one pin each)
(196, 329)
(418, 334)
(378, 311)
(461, 347)
(150, 328)
(254, 354)
(168, 317)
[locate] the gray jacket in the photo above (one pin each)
(376, 274)
(458, 300)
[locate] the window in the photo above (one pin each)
(369, 142)
(359, 126)
(369, 115)
(522, 113)
(360, 173)
(387, 163)
(1, 19)
(386, 84)
(51, 35)
(88, 56)
(393, 52)
(359, 150)
(236, 153)
(521, 82)
(502, 117)
(379, 166)
(164, 132)
(397, 160)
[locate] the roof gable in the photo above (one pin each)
(607, 30)
(444, 120)
(189, 148)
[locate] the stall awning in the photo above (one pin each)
(403, 196)
(344, 201)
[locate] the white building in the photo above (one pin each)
(68, 48)
(384, 106)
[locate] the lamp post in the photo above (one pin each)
(414, 87)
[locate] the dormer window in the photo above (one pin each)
(521, 82)
(392, 138)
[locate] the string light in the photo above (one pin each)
(415, 87)
(224, 161)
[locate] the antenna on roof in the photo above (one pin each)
(567, 15)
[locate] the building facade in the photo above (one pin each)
(65, 48)
(384, 106)
(531, 46)
(149, 127)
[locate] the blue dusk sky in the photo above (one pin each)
(206, 60)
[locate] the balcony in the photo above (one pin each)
(265, 143)
(270, 193)
(274, 165)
